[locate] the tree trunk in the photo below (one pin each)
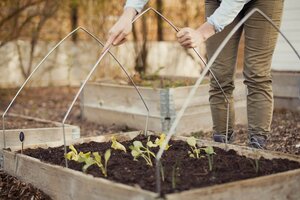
(141, 59)
(74, 18)
(159, 5)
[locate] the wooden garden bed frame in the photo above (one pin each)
(62, 183)
(38, 136)
(118, 104)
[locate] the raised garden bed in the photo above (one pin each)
(111, 103)
(278, 174)
(286, 87)
(51, 103)
(37, 131)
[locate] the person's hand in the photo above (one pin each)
(191, 38)
(117, 34)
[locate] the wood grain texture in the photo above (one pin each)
(38, 135)
(115, 104)
(62, 183)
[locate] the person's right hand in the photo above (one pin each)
(117, 34)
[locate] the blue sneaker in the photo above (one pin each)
(222, 137)
(258, 141)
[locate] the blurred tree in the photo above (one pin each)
(141, 53)
(20, 16)
(159, 6)
(74, 17)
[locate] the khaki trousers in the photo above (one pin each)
(260, 40)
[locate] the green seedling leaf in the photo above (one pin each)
(98, 161)
(151, 144)
(82, 157)
(88, 162)
(97, 157)
(138, 150)
(191, 141)
(106, 158)
(135, 153)
(193, 145)
(209, 150)
(117, 145)
(72, 148)
(192, 155)
(161, 140)
(138, 144)
(70, 155)
(73, 154)
(107, 155)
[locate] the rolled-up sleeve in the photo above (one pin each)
(138, 5)
(226, 13)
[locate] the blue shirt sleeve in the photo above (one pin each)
(226, 13)
(138, 5)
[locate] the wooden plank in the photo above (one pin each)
(286, 84)
(64, 184)
(39, 135)
(76, 185)
(278, 186)
(148, 92)
(201, 119)
(119, 117)
(121, 97)
(194, 109)
(202, 96)
(101, 138)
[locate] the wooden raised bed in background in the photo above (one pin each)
(63, 183)
(35, 136)
(286, 88)
(117, 104)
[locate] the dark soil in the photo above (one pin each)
(22, 123)
(188, 172)
(12, 188)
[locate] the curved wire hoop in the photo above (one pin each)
(42, 61)
(198, 82)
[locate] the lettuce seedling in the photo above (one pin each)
(98, 161)
(138, 150)
(209, 150)
(117, 145)
(88, 159)
(195, 152)
(78, 157)
(158, 142)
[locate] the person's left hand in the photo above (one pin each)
(190, 38)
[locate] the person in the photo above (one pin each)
(260, 40)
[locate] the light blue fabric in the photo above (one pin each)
(226, 13)
(138, 5)
(223, 16)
